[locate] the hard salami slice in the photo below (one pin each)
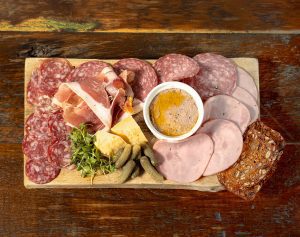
(59, 153)
(37, 125)
(227, 107)
(228, 144)
(44, 105)
(248, 100)
(46, 79)
(145, 78)
(247, 82)
(35, 148)
(89, 69)
(175, 67)
(41, 171)
(217, 77)
(58, 127)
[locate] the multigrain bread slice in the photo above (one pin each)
(262, 150)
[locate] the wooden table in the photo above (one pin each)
(268, 30)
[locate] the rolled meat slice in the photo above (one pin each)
(227, 107)
(247, 82)
(247, 99)
(217, 77)
(228, 144)
(184, 161)
(175, 67)
(145, 78)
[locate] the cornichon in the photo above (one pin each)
(126, 171)
(136, 150)
(145, 163)
(149, 153)
(135, 172)
(117, 155)
(124, 156)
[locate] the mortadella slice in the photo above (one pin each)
(227, 107)
(186, 160)
(228, 144)
(247, 99)
(247, 82)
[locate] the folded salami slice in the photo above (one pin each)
(175, 67)
(41, 171)
(217, 77)
(247, 82)
(247, 99)
(145, 78)
(184, 161)
(227, 107)
(228, 144)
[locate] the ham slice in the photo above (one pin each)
(249, 101)
(228, 144)
(227, 107)
(184, 161)
(247, 82)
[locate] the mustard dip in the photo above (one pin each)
(173, 112)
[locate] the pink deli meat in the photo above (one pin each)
(227, 107)
(246, 82)
(186, 160)
(248, 100)
(175, 67)
(228, 144)
(145, 78)
(218, 75)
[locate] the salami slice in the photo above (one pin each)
(46, 79)
(217, 77)
(175, 67)
(145, 78)
(35, 148)
(41, 171)
(59, 129)
(44, 105)
(59, 153)
(37, 125)
(89, 69)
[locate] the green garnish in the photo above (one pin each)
(87, 158)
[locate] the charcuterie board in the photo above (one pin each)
(72, 179)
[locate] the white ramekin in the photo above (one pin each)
(172, 85)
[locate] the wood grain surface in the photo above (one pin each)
(151, 212)
(275, 16)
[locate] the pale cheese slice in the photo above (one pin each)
(130, 131)
(109, 144)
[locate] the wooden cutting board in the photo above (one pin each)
(72, 179)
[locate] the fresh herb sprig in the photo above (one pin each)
(87, 158)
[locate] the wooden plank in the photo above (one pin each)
(72, 179)
(267, 16)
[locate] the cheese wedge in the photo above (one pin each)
(130, 131)
(108, 143)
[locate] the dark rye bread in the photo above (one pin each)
(262, 150)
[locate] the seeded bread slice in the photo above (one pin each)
(262, 150)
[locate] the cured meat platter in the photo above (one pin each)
(72, 179)
(140, 129)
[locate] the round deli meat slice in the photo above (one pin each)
(40, 171)
(228, 144)
(175, 67)
(37, 125)
(59, 153)
(145, 78)
(35, 148)
(247, 82)
(184, 161)
(217, 77)
(90, 69)
(227, 107)
(247, 99)
(59, 129)
(44, 105)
